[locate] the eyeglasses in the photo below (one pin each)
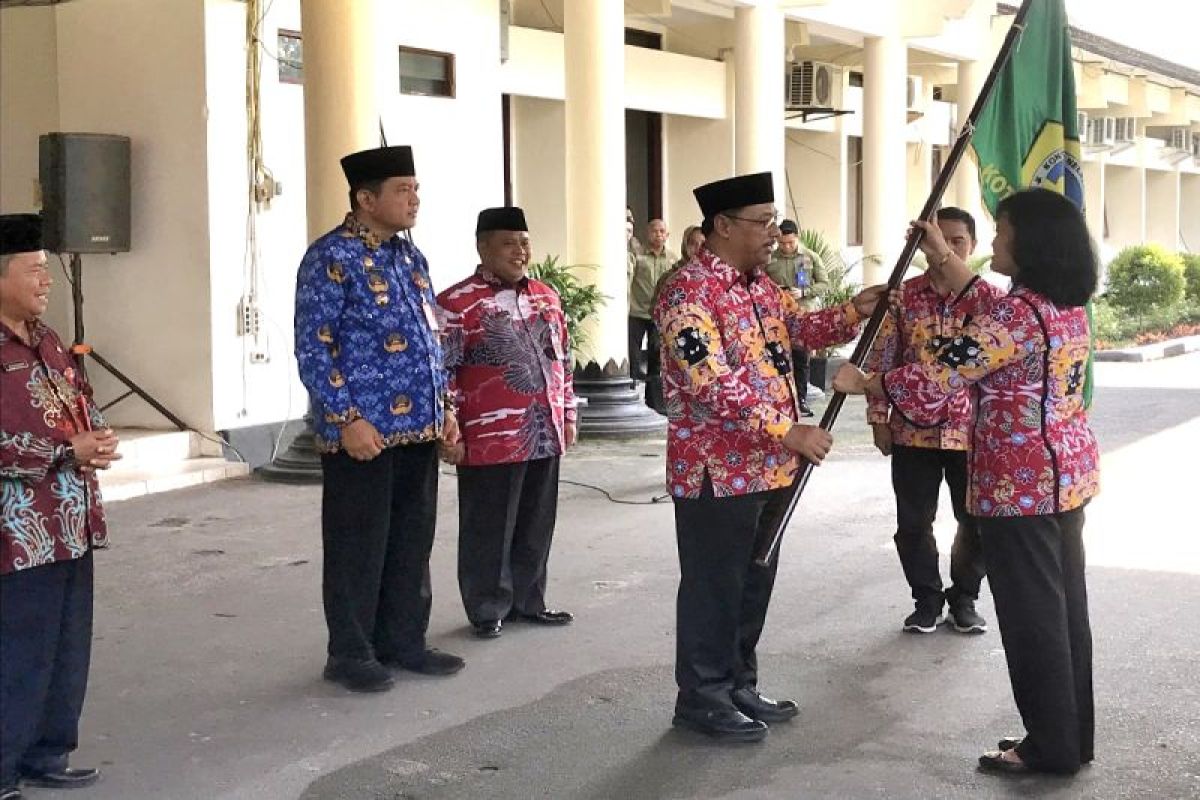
(766, 224)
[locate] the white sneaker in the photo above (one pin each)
(814, 393)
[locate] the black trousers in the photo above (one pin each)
(800, 370)
(506, 516)
(46, 625)
(1036, 570)
(917, 474)
(723, 595)
(377, 526)
(640, 329)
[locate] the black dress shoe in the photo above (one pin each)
(66, 778)
(1009, 742)
(546, 617)
(764, 709)
(10, 793)
(805, 411)
(358, 675)
(725, 724)
(995, 762)
(486, 630)
(430, 662)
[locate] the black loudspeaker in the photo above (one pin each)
(85, 192)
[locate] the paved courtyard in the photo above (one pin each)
(210, 641)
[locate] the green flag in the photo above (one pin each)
(1028, 133)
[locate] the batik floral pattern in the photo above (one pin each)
(51, 509)
(727, 375)
(913, 335)
(1032, 451)
(508, 364)
(366, 345)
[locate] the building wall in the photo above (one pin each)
(1093, 198)
(815, 167)
(1125, 206)
(1189, 212)
(539, 180)
(29, 88)
(457, 143)
(29, 91)
(137, 69)
(1162, 208)
(247, 390)
(695, 151)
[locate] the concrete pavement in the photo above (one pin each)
(210, 640)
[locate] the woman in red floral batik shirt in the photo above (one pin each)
(1034, 463)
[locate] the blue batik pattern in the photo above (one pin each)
(30, 540)
(366, 344)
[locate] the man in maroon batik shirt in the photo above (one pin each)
(52, 438)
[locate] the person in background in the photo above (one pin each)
(509, 362)
(648, 267)
(52, 439)
(368, 351)
(693, 240)
(1034, 463)
(924, 456)
(797, 269)
(648, 270)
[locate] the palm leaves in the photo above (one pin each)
(579, 300)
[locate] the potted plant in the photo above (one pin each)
(825, 361)
(579, 300)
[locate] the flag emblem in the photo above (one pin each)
(1052, 162)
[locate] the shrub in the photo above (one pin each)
(1191, 275)
(1117, 327)
(1145, 277)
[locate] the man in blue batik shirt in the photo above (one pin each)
(368, 352)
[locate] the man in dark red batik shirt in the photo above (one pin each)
(52, 437)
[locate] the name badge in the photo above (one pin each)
(15, 365)
(430, 316)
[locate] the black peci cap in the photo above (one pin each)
(505, 218)
(730, 193)
(20, 233)
(378, 164)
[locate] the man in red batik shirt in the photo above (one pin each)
(728, 332)
(509, 362)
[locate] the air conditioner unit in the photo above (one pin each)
(813, 84)
(915, 95)
(1180, 139)
(1126, 129)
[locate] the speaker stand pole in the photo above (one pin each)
(82, 350)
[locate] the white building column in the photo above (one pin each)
(971, 76)
(594, 39)
(885, 172)
(341, 116)
(758, 93)
(341, 104)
